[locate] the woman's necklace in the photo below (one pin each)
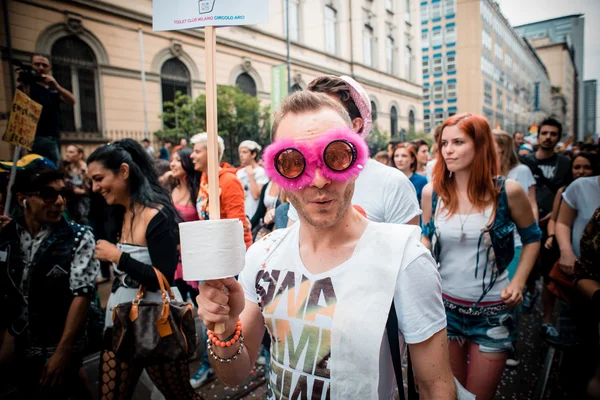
(463, 236)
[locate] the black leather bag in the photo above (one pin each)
(154, 332)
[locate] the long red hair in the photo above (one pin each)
(481, 189)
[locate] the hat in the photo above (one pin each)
(526, 146)
(28, 161)
(250, 145)
(363, 103)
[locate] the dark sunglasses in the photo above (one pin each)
(49, 195)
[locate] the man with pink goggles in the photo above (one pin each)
(385, 193)
(323, 287)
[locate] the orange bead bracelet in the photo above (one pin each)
(230, 340)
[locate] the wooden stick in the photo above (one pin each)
(214, 206)
(210, 38)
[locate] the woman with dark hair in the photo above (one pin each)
(405, 159)
(422, 150)
(184, 191)
(143, 224)
(583, 165)
(469, 214)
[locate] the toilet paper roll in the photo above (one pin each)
(212, 249)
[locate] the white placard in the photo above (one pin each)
(188, 14)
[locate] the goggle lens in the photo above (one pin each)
(290, 163)
(339, 155)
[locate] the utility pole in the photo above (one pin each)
(287, 39)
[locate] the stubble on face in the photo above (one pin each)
(326, 218)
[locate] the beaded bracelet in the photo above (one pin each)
(209, 345)
(230, 340)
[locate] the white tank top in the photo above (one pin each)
(270, 201)
(458, 258)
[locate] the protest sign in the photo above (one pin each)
(188, 14)
(23, 120)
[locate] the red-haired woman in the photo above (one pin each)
(469, 215)
(405, 159)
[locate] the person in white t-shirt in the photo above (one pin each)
(511, 168)
(385, 193)
(323, 287)
(251, 175)
(581, 198)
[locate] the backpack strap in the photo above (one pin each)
(428, 227)
(394, 341)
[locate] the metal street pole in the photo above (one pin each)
(287, 36)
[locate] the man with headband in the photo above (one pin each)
(325, 286)
(384, 193)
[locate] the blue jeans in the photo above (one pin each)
(491, 327)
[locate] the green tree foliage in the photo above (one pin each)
(239, 115)
(377, 140)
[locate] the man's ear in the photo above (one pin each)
(357, 124)
(124, 171)
(21, 199)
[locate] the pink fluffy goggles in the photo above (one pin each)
(340, 154)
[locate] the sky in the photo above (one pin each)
(520, 12)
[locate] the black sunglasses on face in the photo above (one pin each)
(49, 195)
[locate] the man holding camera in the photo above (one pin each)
(41, 86)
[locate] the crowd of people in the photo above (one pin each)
(333, 243)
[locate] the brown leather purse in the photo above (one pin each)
(152, 332)
(561, 284)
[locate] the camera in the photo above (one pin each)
(27, 74)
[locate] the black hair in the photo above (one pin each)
(33, 179)
(146, 140)
(551, 122)
(591, 157)
(144, 188)
(161, 166)
(192, 177)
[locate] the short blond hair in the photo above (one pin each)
(302, 102)
(202, 138)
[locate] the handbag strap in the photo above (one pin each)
(394, 341)
(165, 288)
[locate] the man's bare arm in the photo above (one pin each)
(431, 364)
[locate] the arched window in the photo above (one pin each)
(75, 68)
(246, 84)
(411, 121)
(394, 122)
(295, 88)
(373, 111)
(174, 77)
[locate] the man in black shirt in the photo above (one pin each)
(49, 93)
(551, 172)
(549, 169)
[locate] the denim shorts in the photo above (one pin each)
(491, 326)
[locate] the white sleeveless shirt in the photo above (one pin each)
(458, 259)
